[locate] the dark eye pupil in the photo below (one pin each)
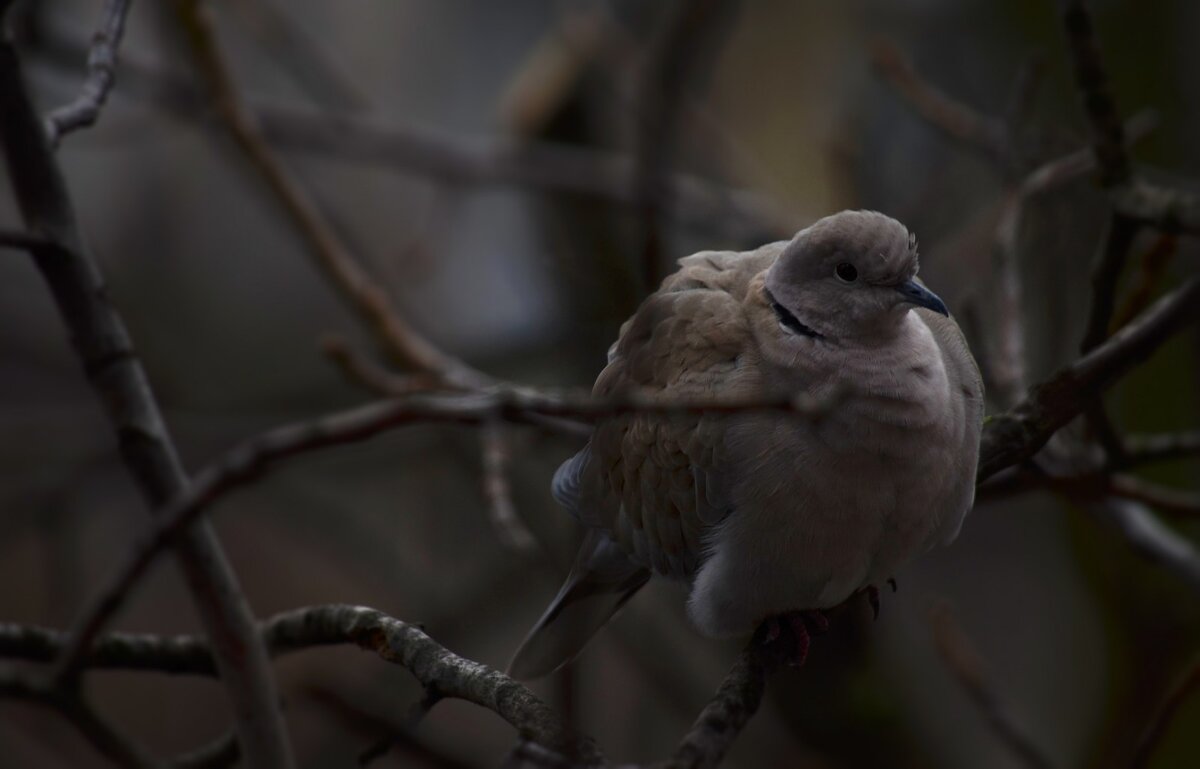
(847, 272)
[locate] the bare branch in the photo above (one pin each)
(101, 77)
(724, 717)
(363, 371)
(102, 343)
(86, 721)
(221, 753)
(957, 121)
(1108, 139)
(1183, 688)
(254, 456)
(1151, 537)
(1161, 447)
(1106, 271)
(23, 241)
(434, 667)
(1175, 502)
(357, 287)
(510, 529)
(291, 46)
(1166, 208)
(967, 666)
(686, 48)
(1019, 433)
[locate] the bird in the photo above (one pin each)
(769, 518)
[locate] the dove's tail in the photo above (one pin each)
(601, 581)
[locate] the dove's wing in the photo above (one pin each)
(657, 485)
(649, 488)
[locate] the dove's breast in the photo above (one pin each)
(824, 509)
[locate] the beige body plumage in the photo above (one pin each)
(765, 513)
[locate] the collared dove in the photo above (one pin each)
(761, 514)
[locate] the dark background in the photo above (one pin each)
(1078, 635)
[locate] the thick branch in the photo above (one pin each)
(102, 76)
(434, 667)
(103, 344)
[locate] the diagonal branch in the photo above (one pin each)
(332, 256)
(1019, 433)
(434, 667)
(83, 717)
(103, 345)
(102, 76)
(964, 662)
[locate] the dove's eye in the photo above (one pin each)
(846, 272)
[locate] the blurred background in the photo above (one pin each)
(471, 214)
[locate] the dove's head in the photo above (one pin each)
(850, 275)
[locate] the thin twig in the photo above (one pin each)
(435, 668)
(251, 458)
(363, 371)
(1161, 447)
(1165, 208)
(1151, 537)
(288, 44)
(1174, 502)
(102, 76)
(1100, 107)
(723, 718)
(1019, 433)
(965, 663)
(222, 753)
(510, 529)
(114, 371)
(557, 168)
(961, 123)
(83, 717)
(357, 287)
(1178, 694)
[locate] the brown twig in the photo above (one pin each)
(1017, 434)
(687, 46)
(357, 287)
(1150, 537)
(1108, 140)
(1178, 694)
(102, 343)
(291, 46)
(248, 460)
(1174, 502)
(1161, 447)
(510, 529)
(722, 720)
(361, 370)
(83, 717)
(967, 667)
(1153, 265)
(454, 160)
(102, 76)
(434, 667)
(961, 123)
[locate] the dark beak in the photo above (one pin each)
(914, 293)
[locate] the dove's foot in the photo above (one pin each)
(790, 635)
(872, 594)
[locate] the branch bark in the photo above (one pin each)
(103, 345)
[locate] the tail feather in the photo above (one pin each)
(601, 581)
